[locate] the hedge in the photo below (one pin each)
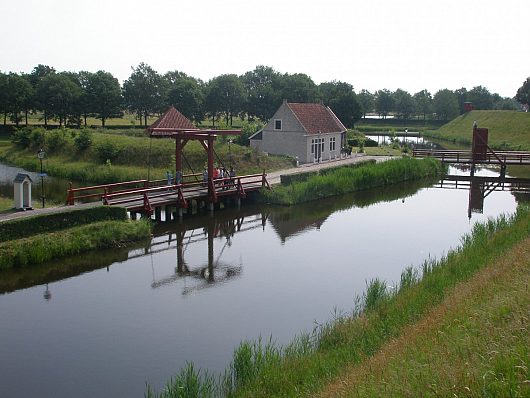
(44, 223)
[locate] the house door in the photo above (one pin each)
(317, 147)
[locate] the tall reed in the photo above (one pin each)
(346, 179)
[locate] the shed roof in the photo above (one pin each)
(21, 177)
(171, 120)
(317, 118)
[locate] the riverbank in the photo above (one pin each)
(508, 130)
(383, 314)
(316, 184)
(40, 238)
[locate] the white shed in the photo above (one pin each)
(22, 186)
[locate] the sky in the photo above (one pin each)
(371, 44)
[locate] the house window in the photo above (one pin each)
(332, 144)
(277, 124)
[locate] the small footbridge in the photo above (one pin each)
(205, 189)
(480, 154)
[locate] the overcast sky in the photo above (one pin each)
(371, 44)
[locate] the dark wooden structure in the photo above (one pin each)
(480, 153)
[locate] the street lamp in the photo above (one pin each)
(230, 153)
(41, 154)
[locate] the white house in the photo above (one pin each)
(310, 132)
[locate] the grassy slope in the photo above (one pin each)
(134, 155)
(351, 342)
(509, 129)
(475, 343)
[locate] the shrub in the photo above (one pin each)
(56, 140)
(107, 150)
(21, 138)
(38, 137)
(83, 140)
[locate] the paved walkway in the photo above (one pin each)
(273, 178)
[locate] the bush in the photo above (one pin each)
(83, 140)
(107, 150)
(38, 137)
(55, 140)
(21, 138)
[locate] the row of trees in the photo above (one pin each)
(72, 97)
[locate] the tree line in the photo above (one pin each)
(71, 97)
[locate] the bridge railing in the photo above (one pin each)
(98, 191)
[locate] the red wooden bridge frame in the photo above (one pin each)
(144, 196)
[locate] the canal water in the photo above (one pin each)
(107, 323)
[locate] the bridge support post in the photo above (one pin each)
(158, 213)
(132, 215)
(211, 207)
(181, 212)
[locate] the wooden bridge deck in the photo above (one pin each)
(502, 158)
(144, 196)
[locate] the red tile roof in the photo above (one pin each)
(317, 118)
(171, 120)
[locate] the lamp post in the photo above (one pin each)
(41, 154)
(230, 153)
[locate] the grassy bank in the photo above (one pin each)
(348, 179)
(381, 315)
(40, 238)
(44, 247)
(508, 130)
(103, 157)
(474, 344)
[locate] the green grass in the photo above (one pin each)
(507, 129)
(113, 157)
(44, 247)
(312, 361)
(347, 179)
(6, 204)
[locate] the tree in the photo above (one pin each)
(103, 95)
(383, 102)
(523, 93)
(461, 95)
(186, 94)
(57, 95)
(19, 95)
(403, 103)
(262, 88)
(144, 92)
(298, 88)
(480, 97)
(341, 98)
(445, 104)
(225, 95)
(423, 103)
(3, 96)
(37, 74)
(367, 101)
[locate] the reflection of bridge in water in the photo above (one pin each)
(180, 237)
(481, 187)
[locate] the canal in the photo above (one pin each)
(107, 323)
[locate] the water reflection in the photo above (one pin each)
(480, 187)
(213, 270)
